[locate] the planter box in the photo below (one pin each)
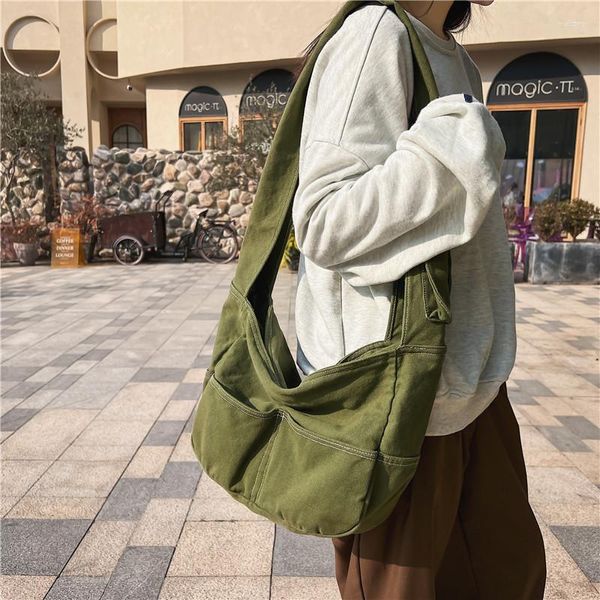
(563, 262)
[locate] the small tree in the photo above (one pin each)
(575, 216)
(258, 132)
(29, 129)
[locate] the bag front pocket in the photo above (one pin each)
(233, 459)
(311, 484)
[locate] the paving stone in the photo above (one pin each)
(593, 378)
(159, 374)
(301, 588)
(97, 354)
(217, 588)
(202, 360)
(149, 462)
(581, 427)
(87, 394)
(302, 555)
(46, 374)
(128, 500)
(560, 485)
(39, 546)
(178, 410)
(100, 549)
(66, 478)
(39, 399)
(532, 387)
(62, 382)
(178, 480)
(15, 418)
(99, 453)
(7, 503)
(183, 451)
(563, 439)
(77, 588)
(213, 503)
(34, 507)
(588, 463)
(164, 433)
(187, 391)
(161, 523)
(80, 367)
(24, 587)
(47, 434)
(139, 573)
(139, 401)
(17, 373)
(19, 475)
(126, 432)
(23, 390)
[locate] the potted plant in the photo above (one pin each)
(553, 259)
(89, 211)
(23, 236)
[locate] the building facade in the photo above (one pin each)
(177, 74)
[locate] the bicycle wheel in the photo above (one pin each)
(217, 244)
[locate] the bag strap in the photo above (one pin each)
(271, 217)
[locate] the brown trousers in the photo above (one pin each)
(462, 530)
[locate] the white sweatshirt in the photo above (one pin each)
(376, 198)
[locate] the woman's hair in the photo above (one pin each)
(457, 19)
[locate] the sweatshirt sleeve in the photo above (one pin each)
(376, 198)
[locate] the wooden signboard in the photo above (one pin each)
(67, 248)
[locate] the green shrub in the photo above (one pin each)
(547, 221)
(575, 215)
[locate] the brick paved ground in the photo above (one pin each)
(102, 496)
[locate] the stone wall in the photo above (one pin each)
(29, 197)
(133, 180)
(130, 181)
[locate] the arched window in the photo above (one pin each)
(539, 100)
(202, 119)
(127, 136)
(263, 101)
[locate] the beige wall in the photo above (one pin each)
(167, 47)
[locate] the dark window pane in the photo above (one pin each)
(553, 154)
(515, 129)
(191, 136)
(213, 132)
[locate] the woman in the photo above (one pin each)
(375, 198)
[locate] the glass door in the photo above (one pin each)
(515, 126)
(554, 154)
(543, 154)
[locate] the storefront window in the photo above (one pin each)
(202, 135)
(515, 129)
(202, 119)
(539, 101)
(263, 101)
(554, 152)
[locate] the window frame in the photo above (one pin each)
(185, 120)
(578, 156)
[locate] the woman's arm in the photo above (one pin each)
(371, 211)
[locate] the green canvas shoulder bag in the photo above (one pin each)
(328, 454)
